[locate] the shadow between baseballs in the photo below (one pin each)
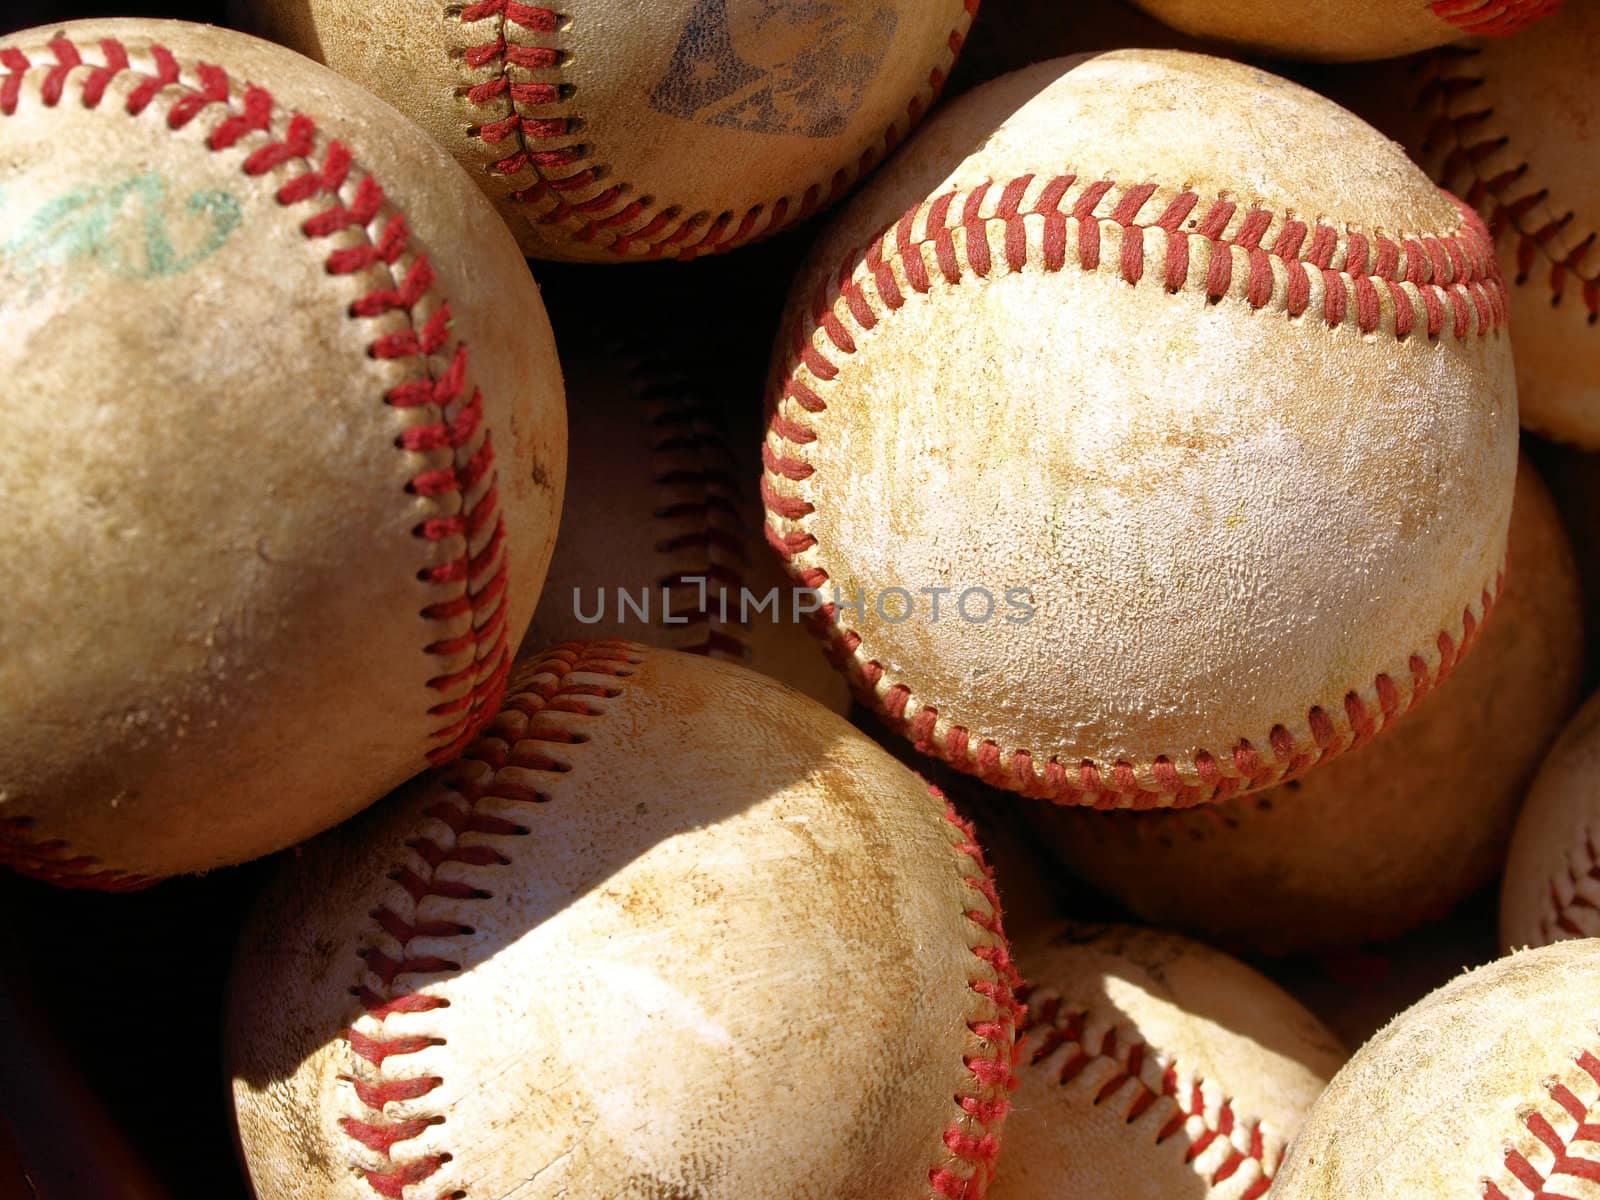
(1148, 962)
(1044, 903)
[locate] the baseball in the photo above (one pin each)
(1206, 444)
(668, 929)
(1514, 127)
(1551, 888)
(1388, 837)
(283, 478)
(661, 525)
(606, 131)
(1155, 1068)
(1347, 30)
(1489, 1088)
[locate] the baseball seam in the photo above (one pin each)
(472, 620)
(1484, 166)
(478, 776)
(1553, 1137)
(690, 451)
(1240, 1146)
(970, 1142)
(567, 179)
(1492, 18)
(971, 1139)
(1574, 914)
(1379, 284)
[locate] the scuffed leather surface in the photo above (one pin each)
(1518, 119)
(1226, 515)
(731, 960)
(214, 645)
(692, 162)
(1551, 888)
(1167, 1026)
(1436, 1101)
(1389, 835)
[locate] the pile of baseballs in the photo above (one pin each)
(1141, 449)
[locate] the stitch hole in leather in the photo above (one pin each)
(563, 738)
(398, 875)
(429, 966)
(434, 1002)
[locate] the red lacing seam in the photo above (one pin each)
(1575, 1156)
(1577, 916)
(609, 216)
(1503, 197)
(1455, 278)
(54, 861)
(972, 1137)
(1064, 1029)
(515, 739)
(710, 528)
(470, 695)
(1492, 18)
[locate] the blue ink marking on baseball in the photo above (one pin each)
(793, 67)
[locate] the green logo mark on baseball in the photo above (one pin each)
(134, 229)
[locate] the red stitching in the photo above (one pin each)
(690, 427)
(973, 1136)
(1566, 1157)
(469, 696)
(1064, 1029)
(1447, 283)
(54, 861)
(611, 216)
(1503, 195)
(477, 776)
(1493, 18)
(1576, 915)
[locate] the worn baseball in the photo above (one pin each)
(673, 128)
(668, 929)
(1347, 30)
(1514, 127)
(1551, 888)
(1382, 839)
(284, 476)
(1155, 1068)
(660, 536)
(1488, 1089)
(1206, 447)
